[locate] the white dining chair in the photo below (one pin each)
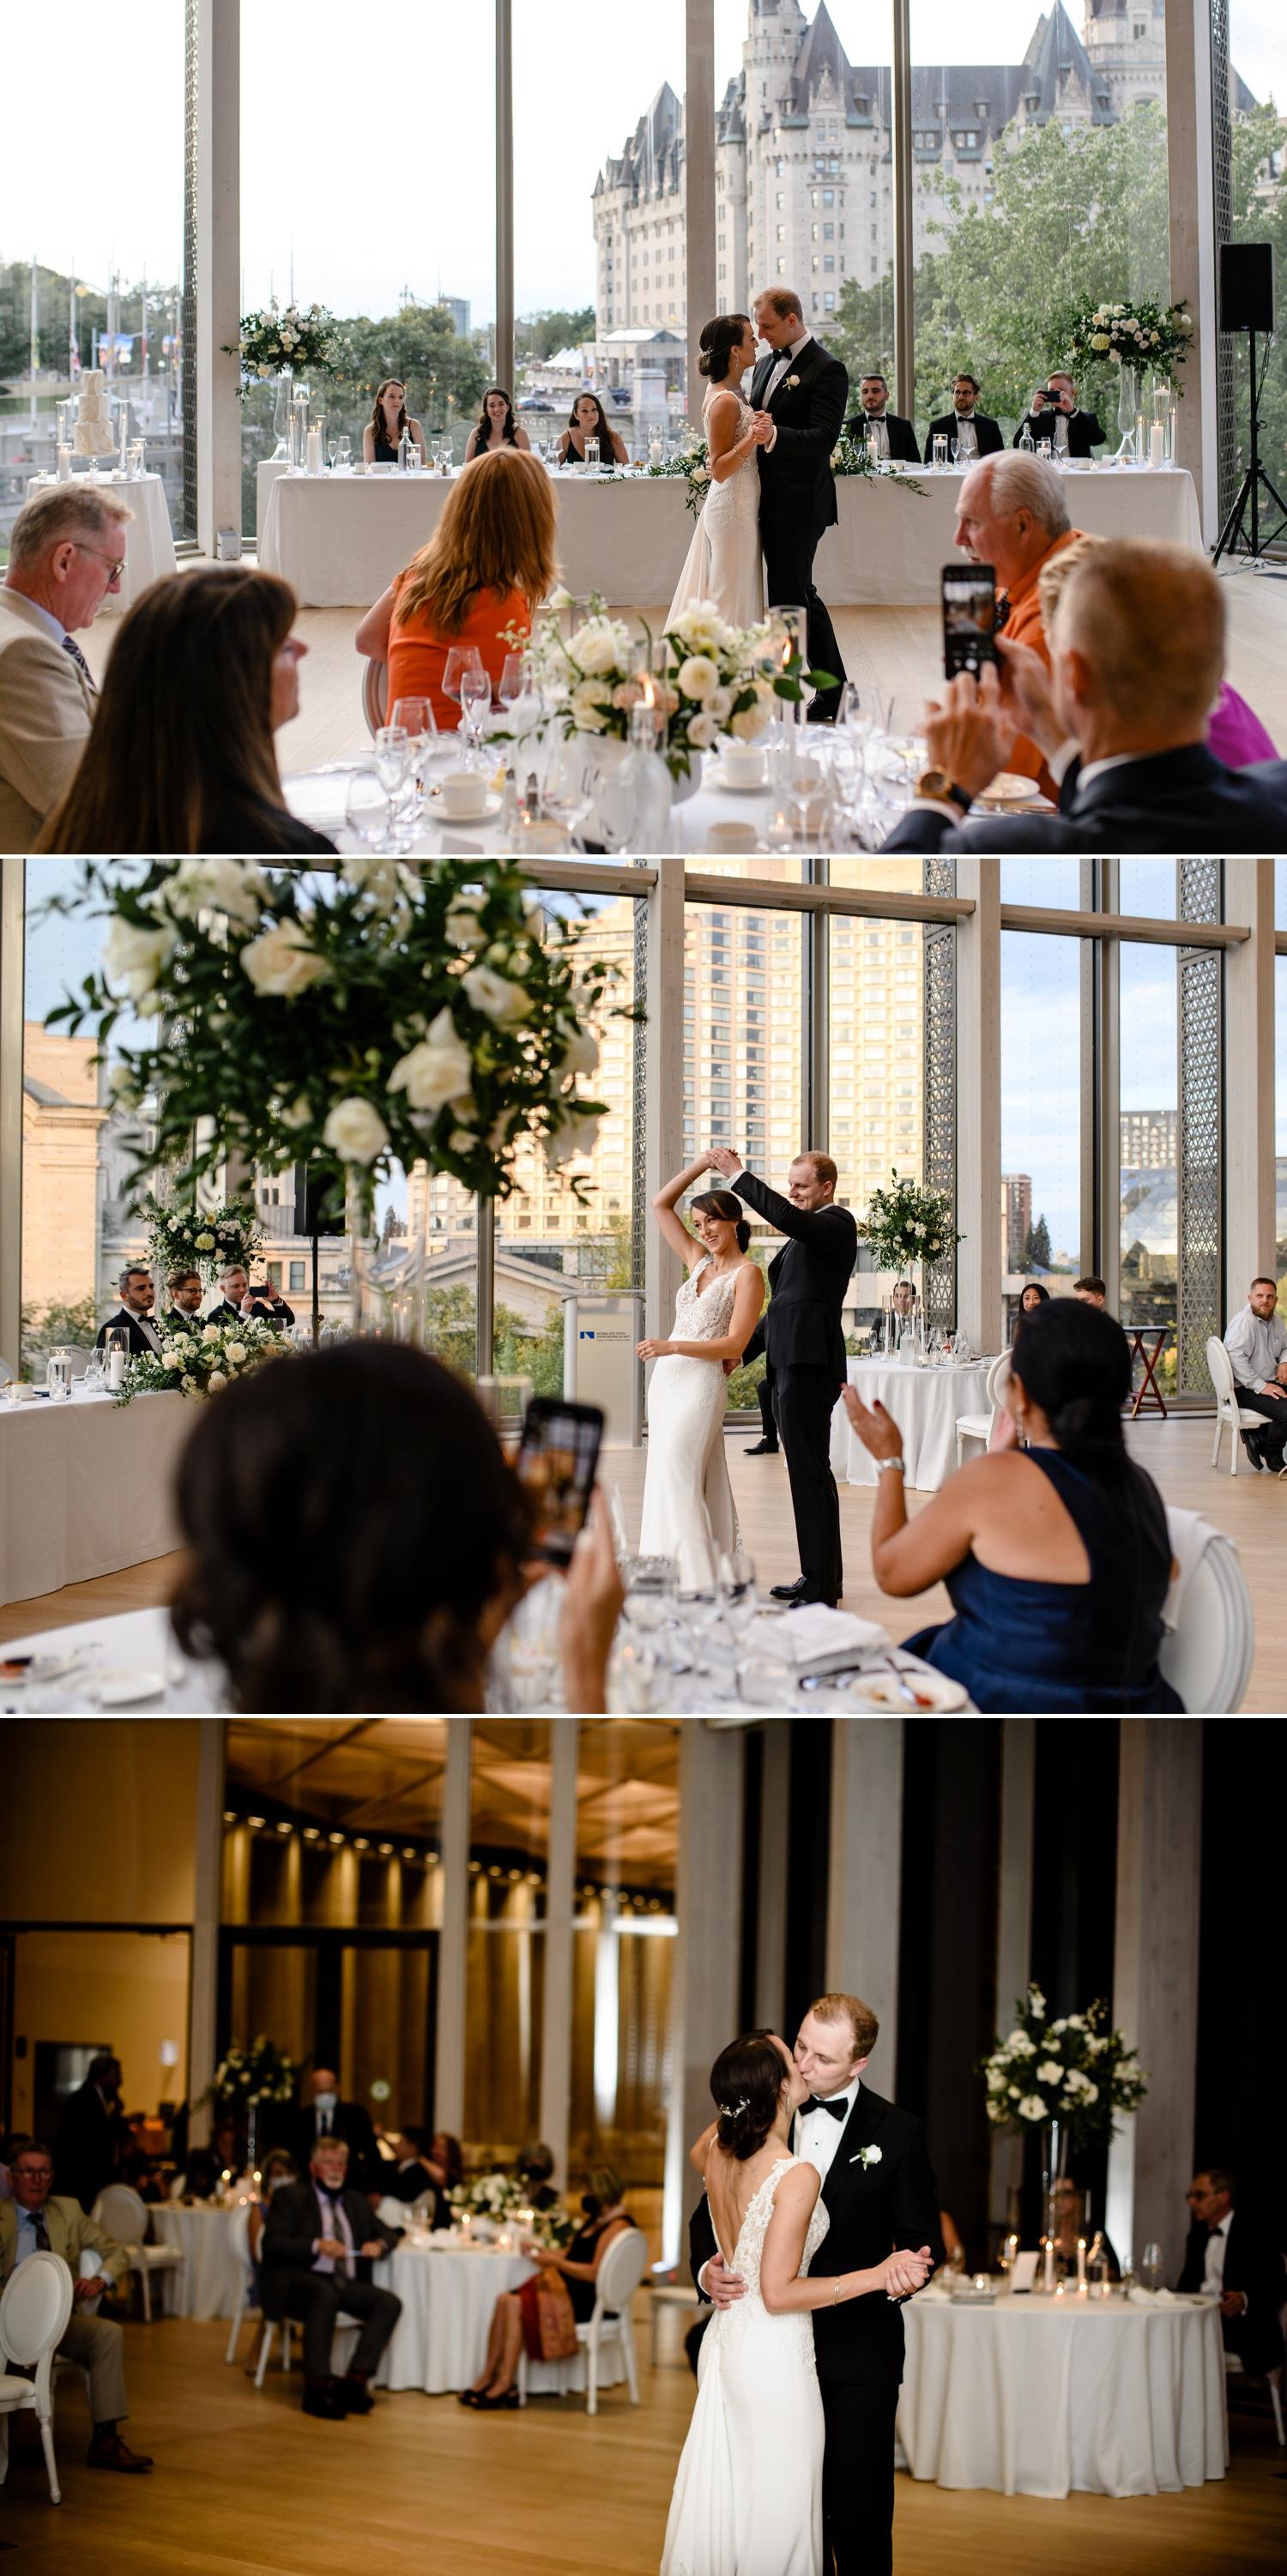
(124, 2216)
(620, 2273)
(343, 2325)
(247, 2288)
(1228, 1409)
(978, 1426)
(34, 2310)
(375, 684)
(1207, 1658)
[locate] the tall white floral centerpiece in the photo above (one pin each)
(380, 1014)
(1069, 2076)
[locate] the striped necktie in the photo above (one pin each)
(42, 2233)
(71, 646)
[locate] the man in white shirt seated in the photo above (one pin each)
(35, 2221)
(66, 551)
(1230, 2259)
(134, 1314)
(1256, 1341)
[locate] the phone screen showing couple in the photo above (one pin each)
(969, 616)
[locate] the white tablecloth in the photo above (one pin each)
(85, 1487)
(266, 474)
(1034, 2396)
(211, 2276)
(149, 542)
(448, 2297)
(924, 1403)
(339, 539)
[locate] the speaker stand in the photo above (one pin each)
(1255, 481)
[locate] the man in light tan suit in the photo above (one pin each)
(66, 551)
(35, 2222)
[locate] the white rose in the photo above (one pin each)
(355, 1130)
(559, 598)
(1076, 2021)
(283, 962)
(205, 1243)
(215, 1381)
(575, 1134)
(873, 2156)
(298, 1114)
(1100, 340)
(589, 714)
(210, 1333)
(1057, 2026)
(134, 958)
(1012, 2091)
(751, 722)
(462, 926)
(237, 1353)
(596, 648)
(234, 886)
(170, 1358)
(435, 1070)
(698, 676)
(1020, 2045)
(1032, 2107)
(262, 369)
(188, 1385)
(495, 996)
(1050, 2073)
(580, 1053)
(720, 704)
(703, 732)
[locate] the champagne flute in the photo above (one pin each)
(332, 451)
(390, 758)
(476, 706)
(346, 454)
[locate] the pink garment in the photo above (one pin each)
(1235, 733)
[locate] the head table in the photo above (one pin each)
(924, 1403)
(1037, 2395)
(85, 1487)
(339, 538)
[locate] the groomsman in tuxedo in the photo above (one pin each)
(894, 436)
(134, 1314)
(976, 435)
(1240, 2265)
(880, 2195)
(1054, 415)
(806, 1346)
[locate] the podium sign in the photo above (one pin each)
(599, 1365)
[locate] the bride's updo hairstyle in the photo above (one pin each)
(723, 1204)
(746, 2086)
(718, 341)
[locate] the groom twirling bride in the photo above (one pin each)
(806, 1348)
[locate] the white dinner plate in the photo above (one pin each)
(731, 787)
(461, 822)
(123, 1690)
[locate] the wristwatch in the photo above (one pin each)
(883, 1463)
(936, 783)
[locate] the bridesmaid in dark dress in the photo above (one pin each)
(588, 419)
(605, 2220)
(1055, 1552)
(389, 417)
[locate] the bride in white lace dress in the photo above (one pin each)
(688, 1500)
(723, 562)
(747, 2499)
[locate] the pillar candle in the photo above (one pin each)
(1139, 437)
(116, 1371)
(314, 451)
(1157, 444)
(1081, 2241)
(1048, 2275)
(64, 464)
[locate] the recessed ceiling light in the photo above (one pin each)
(285, 1829)
(408, 1851)
(312, 1833)
(254, 1821)
(432, 1859)
(386, 1850)
(360, 1843)
(230, 1815)
(335, 1838)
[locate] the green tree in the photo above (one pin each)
(539, 335)
(862, 335)
(44, 1326)
(1036, 1251)
(444, 375)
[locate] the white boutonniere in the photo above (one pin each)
(866, 2156)
(791, 383)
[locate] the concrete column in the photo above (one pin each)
(699, 184)
(209, 1832)
(978, 1099)
(708, 1902)
(864, 1877)
(218, 268)
(1014, 1924)
(1249, 997)
(560, 1895)
(1192, 239)
(1155, 1978)
(663, 1080)
(453, 1939)
(775, 1820)
(504, 206)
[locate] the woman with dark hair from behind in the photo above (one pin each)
(181, 755)
(1056, 1552)
(605, 2218)
(495, 426)
(588, 419)
(748, 2492)
(356, 1538)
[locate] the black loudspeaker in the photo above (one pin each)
(311, 1216)
(1247, 286)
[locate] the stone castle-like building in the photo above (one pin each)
(804, 166)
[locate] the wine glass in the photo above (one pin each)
(346, 454)
(954, 449)
(389, 756)
(418, 722)
(332, 451)
(460, 658)
(510, 685)
(368, 810)
(475, 707)
(1151, 2266)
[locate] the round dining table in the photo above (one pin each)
(449, 2289)
(211, 2276)
(924, 1402)
(1035, 2395)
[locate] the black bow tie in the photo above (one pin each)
(838, 2108)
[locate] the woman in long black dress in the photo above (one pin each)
(389, 417)
(604, 2221)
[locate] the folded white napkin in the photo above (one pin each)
(802, 1635)
(1191, 1536)
(1156, 2299)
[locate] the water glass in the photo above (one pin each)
(939, 459)
(368, 810)
(510, 685)
(1151, 2266)
(415, 716)
(346, 454)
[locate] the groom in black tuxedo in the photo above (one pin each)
(801, 390)
(806, 1350)
(880, 2195)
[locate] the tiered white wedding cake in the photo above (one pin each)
(93, 431)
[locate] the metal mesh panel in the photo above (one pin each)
(1199, 1208)
(188, 305)
(939, 878)
(639, 1075)
(1226, 344)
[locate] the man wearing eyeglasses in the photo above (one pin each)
(34, 2222)
(66, 552)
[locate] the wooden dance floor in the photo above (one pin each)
(244, 2485)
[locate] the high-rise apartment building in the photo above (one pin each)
(1016, 1218)
(1149, 1140)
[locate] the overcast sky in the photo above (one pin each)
(375, 159)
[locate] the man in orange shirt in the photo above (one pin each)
(1012, 514)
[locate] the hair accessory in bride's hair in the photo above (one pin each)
(730, 2111)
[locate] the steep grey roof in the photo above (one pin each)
(1055, 59)
(820, 54)
(653, 154)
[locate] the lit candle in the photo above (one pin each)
(1157, 444)
(64, 464)
(654, 451)
(116, 1371)
(1081, 2241)
(1048, 2275)
(314, 452)
(1139, 437)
